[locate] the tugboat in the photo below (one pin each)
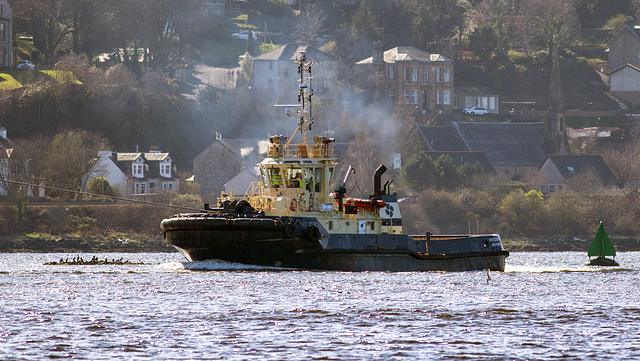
(600, 248)
(292, 218)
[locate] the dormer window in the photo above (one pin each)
(138, 170)
(165, 169)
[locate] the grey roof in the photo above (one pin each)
(627, 65)
(505, 144)
(474, 90)
(441, 139)
(292, 52)
(408, 54)
(123, 162)
(460, 158)
(624, 28)
(571, 164)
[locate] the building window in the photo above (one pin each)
(444, 97)
(425, 75)
(410, 74)
(165, 169)
(443, 75)
(559, 187)
(492, 103)
(552, 188)
(3, 36)
(411, 96)
(543, 188)
(138, 170)
(392, 95)
(392, 72)
(143, 188)
(137, 188)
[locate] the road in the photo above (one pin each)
(203, 75)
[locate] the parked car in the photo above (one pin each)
(475, 111)
(244, 35)
(26, 65)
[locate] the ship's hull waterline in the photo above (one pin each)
(280, 247)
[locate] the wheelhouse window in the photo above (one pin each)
(294, 178)
(317, 179)
(274, 177)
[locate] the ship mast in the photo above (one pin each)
(304, 98)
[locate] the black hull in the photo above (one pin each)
(300, 253)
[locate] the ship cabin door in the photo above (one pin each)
(362, 226)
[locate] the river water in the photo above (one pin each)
(544, 306)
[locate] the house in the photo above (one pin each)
(624, 82)
(212, 8)
(241, 182)
(558, 169)
(7, 60)
(460, 158)
(218, 164)
(137, 173)
(467, 97)
(178, 69)
(276, 72)
(511, 148)
(411, 76)
(624, 63)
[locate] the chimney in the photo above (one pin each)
(377, 52)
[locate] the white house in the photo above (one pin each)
(137, 173)
(241, 182)
(277, 71)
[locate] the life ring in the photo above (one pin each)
(289, 230)
(313, 233)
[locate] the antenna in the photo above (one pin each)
(305, 93)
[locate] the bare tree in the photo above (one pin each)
(309, 25)
(71, 159)
(552, 23)
(623, 162)
(21, 172)
(50, 24)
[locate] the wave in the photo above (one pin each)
(217, 265)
